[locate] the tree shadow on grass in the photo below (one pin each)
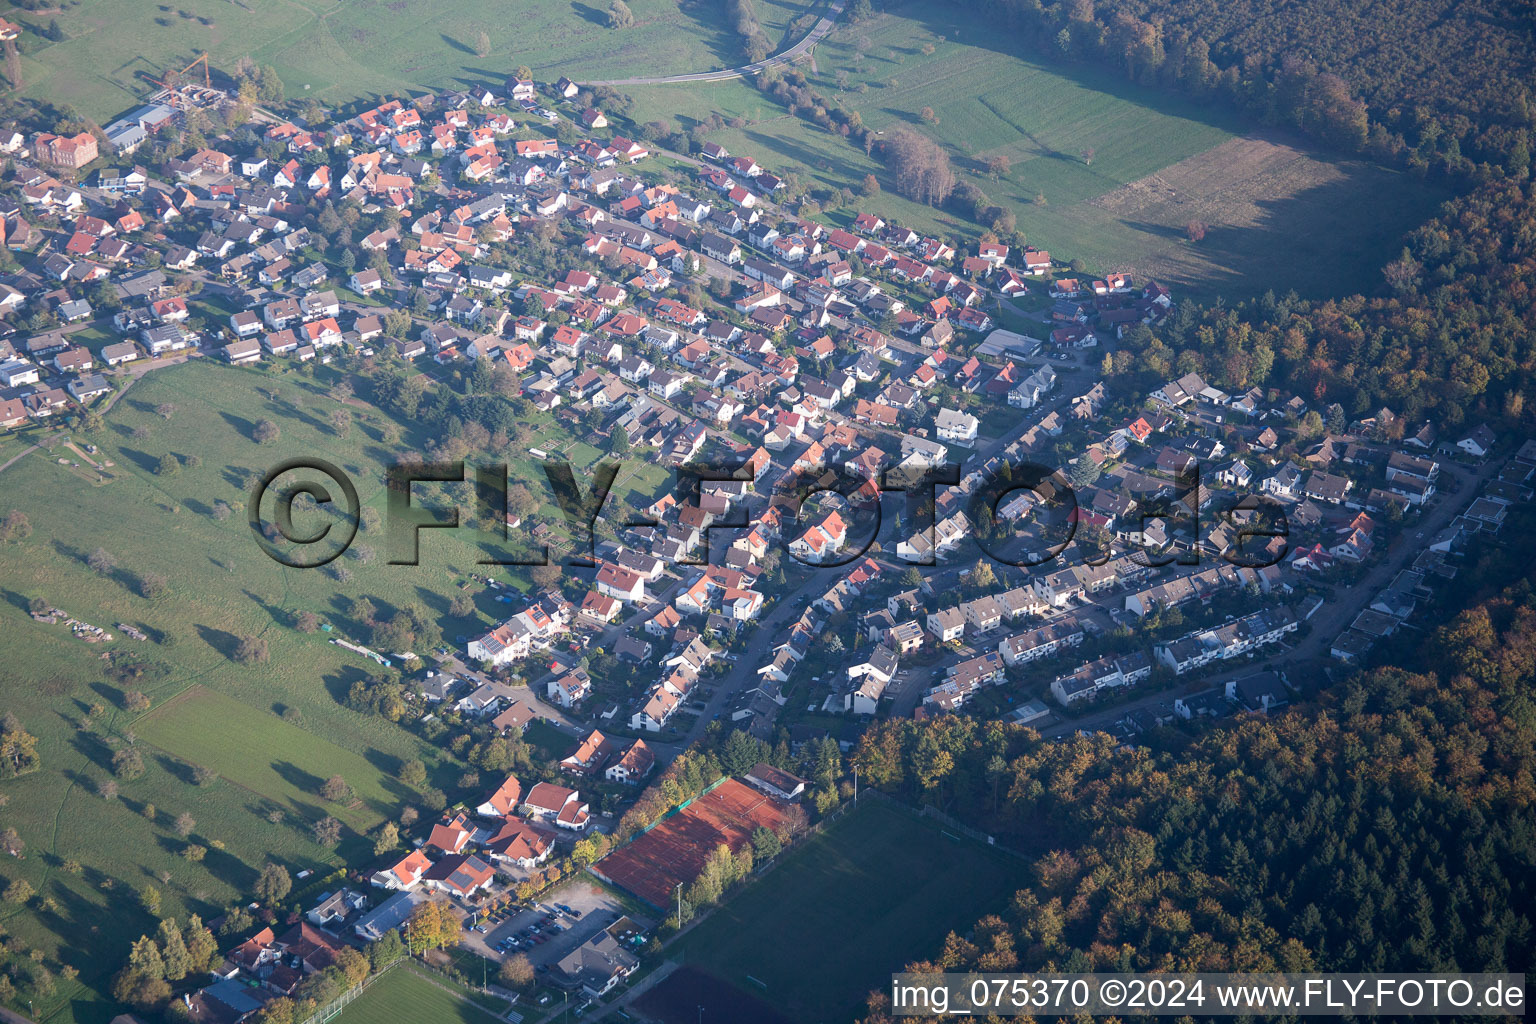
(491, 78)
(220, 640)
(339, 684)
(240, 423)
(433, 601)
(109, 694)
(234, 476)
(230, 870)
(312, 421)
(277, 614)
(176, 768)
(298, 778)
(94, 931)
(141, 459)
(592, 14)
(94, 750)
(389, 766)
(382, 456)
(1168, 231)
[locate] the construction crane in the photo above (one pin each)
(179, 75)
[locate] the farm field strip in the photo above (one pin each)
(262, 753)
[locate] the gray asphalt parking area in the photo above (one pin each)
(597, 908)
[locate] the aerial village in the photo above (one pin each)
(689, 312)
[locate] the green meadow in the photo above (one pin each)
(207, 709)
(336, 50)
(404, 995)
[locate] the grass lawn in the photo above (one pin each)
(405, 997)
(335, 50)
(874, 891)
(549, 743)
(279, 762)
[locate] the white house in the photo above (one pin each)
(955, 426)
(1478, 443)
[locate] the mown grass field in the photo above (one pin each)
(1279, 217)
(273, 759)
(405, 997)
(339, 49)
(876, 890)
(221, 588)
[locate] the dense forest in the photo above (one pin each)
(1390, 827)
(1438, 85)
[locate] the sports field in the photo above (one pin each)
(335, 50)
(675, 851)
(864, 897)
(405, 997)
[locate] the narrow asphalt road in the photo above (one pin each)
(816, 35)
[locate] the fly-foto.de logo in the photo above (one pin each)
(305, 513)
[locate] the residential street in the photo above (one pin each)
(743, 674)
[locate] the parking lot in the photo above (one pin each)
(545, 932)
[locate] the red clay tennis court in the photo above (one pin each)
(674, 851)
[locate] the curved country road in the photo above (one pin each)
(816, 35)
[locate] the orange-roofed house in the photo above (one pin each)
(548, 802)
(520, 843)
(590, 755)
(405, 874)
(519, 357)
(600, 607)
(503, 800)
(634, 764)
(620, 583)
(169, 310)
(820, 540)
(453, 835)
(255, 950)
